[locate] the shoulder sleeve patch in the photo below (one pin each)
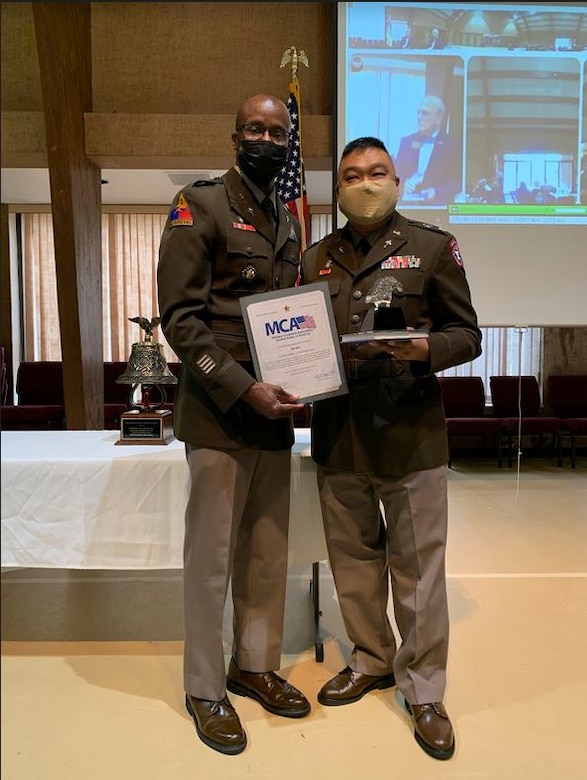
(181, 214)
(455, 252)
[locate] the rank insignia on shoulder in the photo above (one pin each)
(244, 226)
(427, 226)
(181, 214)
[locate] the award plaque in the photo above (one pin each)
(146, 427)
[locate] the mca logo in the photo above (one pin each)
(289, 324)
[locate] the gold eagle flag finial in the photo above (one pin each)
(292, 55)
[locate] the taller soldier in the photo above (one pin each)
(225, 239)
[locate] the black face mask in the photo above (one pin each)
(261, 161)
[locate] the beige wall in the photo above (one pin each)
(167, 79)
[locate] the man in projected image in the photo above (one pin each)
(429, 161)
(386, 442)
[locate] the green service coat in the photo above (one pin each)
(392, 421)
(217, 248)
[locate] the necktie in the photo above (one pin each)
(364, 246)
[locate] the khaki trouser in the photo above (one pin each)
(236, 525)
(407, 543)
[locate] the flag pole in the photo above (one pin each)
(291, 183)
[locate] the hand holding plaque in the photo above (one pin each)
(384, 322)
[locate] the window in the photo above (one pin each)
(130, 249)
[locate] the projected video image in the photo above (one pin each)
(522, 130)
(480, 106)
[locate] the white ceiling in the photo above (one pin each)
(136, 187)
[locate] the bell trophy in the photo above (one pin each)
(147, 373)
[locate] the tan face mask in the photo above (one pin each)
(368, 202)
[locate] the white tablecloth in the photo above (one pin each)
(74, 500)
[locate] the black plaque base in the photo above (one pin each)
(152, 427)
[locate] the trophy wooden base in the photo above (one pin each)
(148, 427)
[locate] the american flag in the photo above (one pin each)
(306, 322)
(291, 182)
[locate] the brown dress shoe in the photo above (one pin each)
(433, 729)
(217, 724)
(349, 686)
(271, 691)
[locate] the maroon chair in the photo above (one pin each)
(41, 405)
(516, 400)
(463, 398)
(170, 390)
(3, 377)
(116, 397)
(567, 397)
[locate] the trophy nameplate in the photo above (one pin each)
(146, 427)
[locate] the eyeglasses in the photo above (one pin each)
(255, 132)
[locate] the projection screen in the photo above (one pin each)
(510, 83)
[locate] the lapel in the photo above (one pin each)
(242, 201)
(340, 248)
(284, 225)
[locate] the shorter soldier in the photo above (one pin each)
(386, 443)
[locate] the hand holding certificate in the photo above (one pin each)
(293, 341)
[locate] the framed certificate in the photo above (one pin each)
(294, 342)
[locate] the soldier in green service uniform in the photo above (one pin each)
(225, 239)
(385, 443)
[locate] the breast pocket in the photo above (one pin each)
(248, 264)
(409, 293)
(332, 280)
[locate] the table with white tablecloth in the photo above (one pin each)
(76, 500)
(73, 499)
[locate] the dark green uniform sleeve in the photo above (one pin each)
(184, 278)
